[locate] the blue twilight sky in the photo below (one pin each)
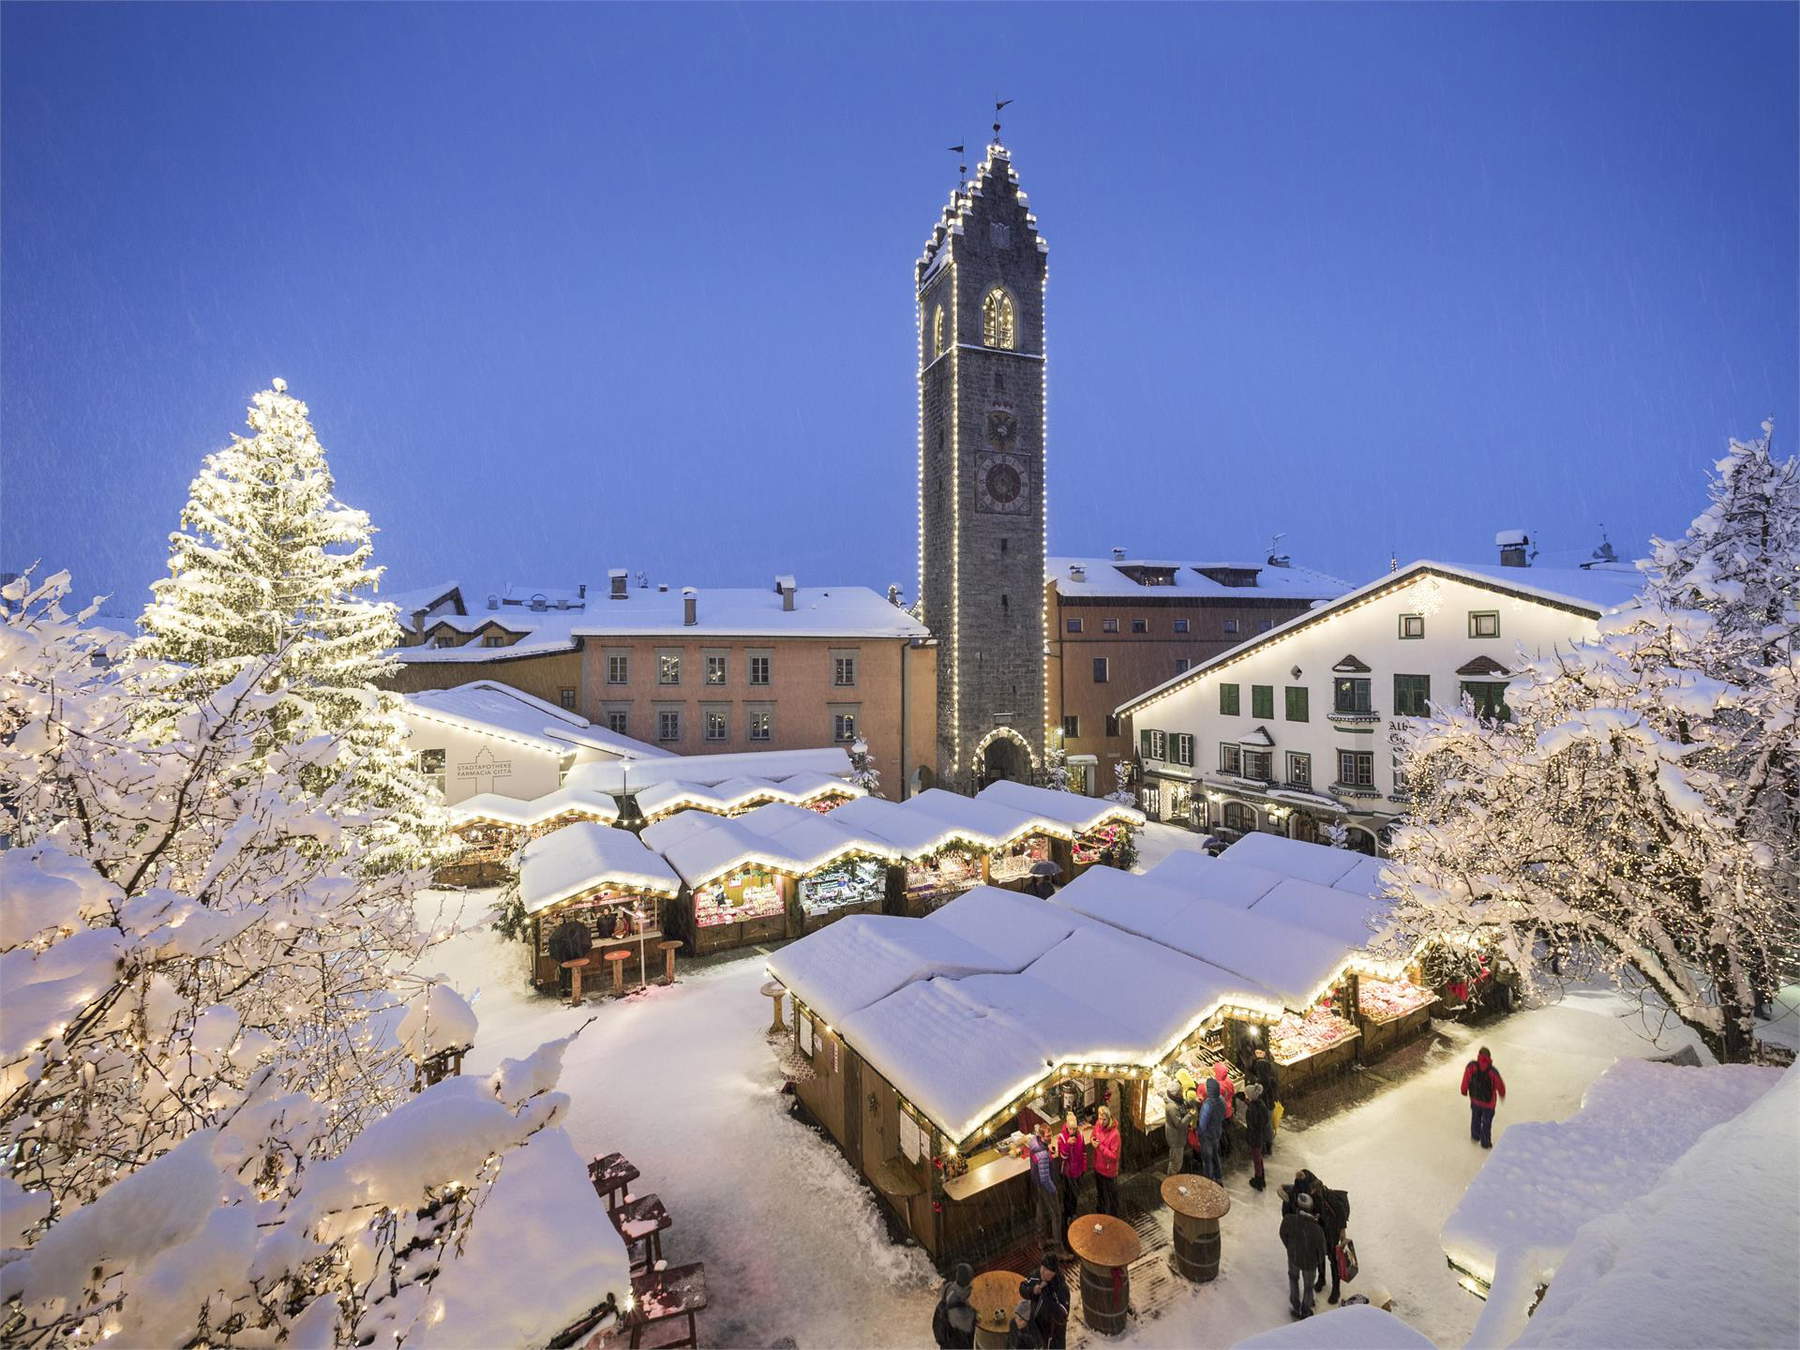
(571, 287)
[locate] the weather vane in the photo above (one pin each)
(998, 105)
(962, 170)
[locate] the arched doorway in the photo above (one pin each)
(1003, 755)
(1240, 818)
(1304, 828)
(1362, 841)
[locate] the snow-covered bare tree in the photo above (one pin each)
(269, 570)
(1640, 801)
(862, 766)
(205, 1133)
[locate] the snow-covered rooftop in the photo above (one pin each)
(660, 799)
(419, 598)
(1355, 1326)
(710, 770)
(578, 858)
(781, 836)
(1110, 578)
(565, 801)
(1071, 810)
(501, 710)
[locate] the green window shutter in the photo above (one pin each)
(1144, 744)
(1296, 703)
(1228, 700)
(1262, 700)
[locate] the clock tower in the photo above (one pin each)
(980, 287)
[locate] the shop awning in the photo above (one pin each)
(585, 857)
(1074, 812)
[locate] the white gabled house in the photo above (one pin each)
(1291, 730)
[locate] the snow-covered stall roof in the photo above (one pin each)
(1292, 857)
(911, 833)
(1017, 928)
(780, 836)
(707, 770)
(1293, 963)
(1545, 1179)
(1075, 813)
(500, 710)
(1351, 918)
(565, 801)
(1229, 883)
(1704, 1257)
(579, 858)
(1357, 1326)
(991, 821)
(659, 799)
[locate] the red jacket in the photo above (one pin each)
(1072, 1149)
(1498, 1084)
(1106, 1150)
(1226, 1089)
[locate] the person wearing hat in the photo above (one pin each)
(953, 1323)
(1305, 1243)
(1177, 1118)
(1256, 1130)
(1048, 1293)
(1262, 1070)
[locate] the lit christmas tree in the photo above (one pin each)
(270, 570)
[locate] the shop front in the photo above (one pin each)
(609, 919)
(942, 875)
(1011, 864)
(852, 885)
(588, 890)
(745, 905)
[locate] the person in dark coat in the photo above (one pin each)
(1484, 1087)
(1048, 1294)
(1256, 1130)
(1210, 1126)
(1263, 1071)
(1177, 1118)
(1332, 1209)
(1305, 1243)
(1045, 1197)
(953, 1323)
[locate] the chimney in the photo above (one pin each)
(581, 590)
(1118, 555)
(662, 588)
(616, 579)
(493, 601)
(785, 585)
(690, 606)
(1077, 572)
(1514, 548)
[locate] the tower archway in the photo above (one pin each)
(1003, 755)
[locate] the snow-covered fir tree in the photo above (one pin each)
(270, 570)
(205, 1130)
(862, 767)
(1639, 804)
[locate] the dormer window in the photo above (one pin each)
(999, 323)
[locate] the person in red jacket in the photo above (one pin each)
(1106, 1162)
(1484, 1087)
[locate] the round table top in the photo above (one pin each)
(1103, 1240)
(668, 944)
(773, 987)
(993, 1296)
(620, 955)
(578, 961)
(1196, 1197)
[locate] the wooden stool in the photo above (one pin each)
(1198, 1204)
(1107, 1247)
(617, 961)
(575, 968)
(668, 947)
(775, 990)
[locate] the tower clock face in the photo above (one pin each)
(1001, 484)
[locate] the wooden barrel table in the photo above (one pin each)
(1106, 1246)
(1199, 1204)
(994, 1295)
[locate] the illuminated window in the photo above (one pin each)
(937, 331)
(999, 326)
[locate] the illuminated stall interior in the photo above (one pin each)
(606, 881)
(776, 871)
(491, 828)
(1096, 831)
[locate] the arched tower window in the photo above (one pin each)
(937, 331)
(999, 328)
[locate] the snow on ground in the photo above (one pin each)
(1784, 1028)
(682, 1082)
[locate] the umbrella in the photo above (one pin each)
(1044, 867)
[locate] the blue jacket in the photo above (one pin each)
(1212, 1113)
(1043, 1173)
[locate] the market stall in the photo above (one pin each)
(818, 792)
(945, 843)
(1094, 830)
(595, 885)
(491, 828)
(1390, 1013)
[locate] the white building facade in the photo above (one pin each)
(1291, 730)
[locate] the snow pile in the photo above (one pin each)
(1544, 1180)
(437, 1020)
(1357, 1327)
(1705, 1257)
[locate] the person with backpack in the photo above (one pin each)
(1263, 1071)
(1210, 1128)
(953, 1321)
(1106, 1161)
(1306, 1253)
(1484, 1087)
(1177, 1119)
(1256, 1130)
(1048, 1294)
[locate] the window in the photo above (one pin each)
(714, 724)
(843, 672)
(1074, 625)
(430, 763)
(668, 724)
(1109, 625)
(843, 726)
(999, 324)
(1181, 625)
(715, 669)
(762, 723)
(1299, 769)
(806, 1034)
(1228, 700)
(566, 698)
(1489, 698)
(1484, 623)
(1112, 725)
(1153, 744)
(1140, 625)
(1240, 818)
(1297, 698)
(1071, 725)
(1350, 695)
(1256, 765)
(1181, 748)
(493, 640)
(1262, 700)
(1356, 768)
(616, 720)
(618, 670)
(1101, 670)
(1265, 625)
(448, 640)
(1231, 625)
(1412, 625)
(759, 669)
(668, 667)
(1412, 695)
(1181, 664)
(937, 331)
(1230, 758)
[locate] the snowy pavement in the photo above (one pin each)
(681, 1080)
